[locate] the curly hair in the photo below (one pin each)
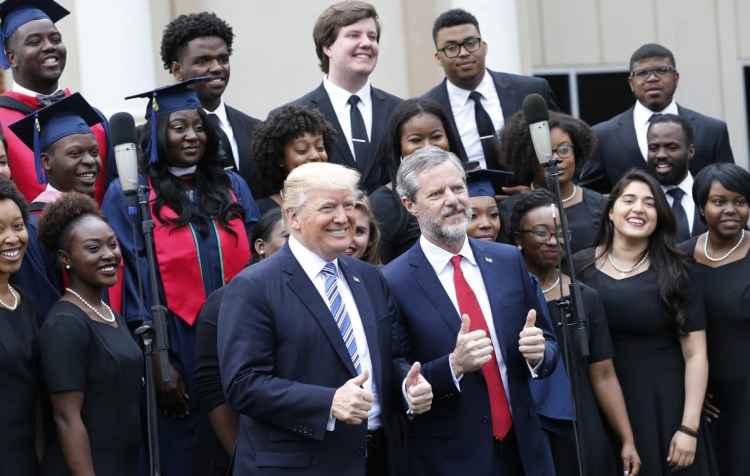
(178, 33)
(9, 191)
(60, 217)
(517, 150)
(279, 130)
(212, 183)
(523, 205)
(451, 18)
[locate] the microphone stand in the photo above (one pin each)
(572, 317)
(153, 329)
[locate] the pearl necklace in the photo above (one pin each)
(15, 300)
(726, 255)
(545, 291)
(109, 319)
(622, 271)
(564, 200)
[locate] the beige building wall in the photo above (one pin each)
(113, 46)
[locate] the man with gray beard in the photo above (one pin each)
(468, 313)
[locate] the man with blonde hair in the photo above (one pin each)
(305, 344)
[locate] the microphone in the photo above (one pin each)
(536, 115)
(123, 136)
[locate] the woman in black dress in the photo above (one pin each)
(293, 136)
(415, 123)
(721, 193)
(533, 229)
(92, 366)
(657, 321)
(574, 143)
(21, 438)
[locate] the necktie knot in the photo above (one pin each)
(475, 96)
(353, 100)
(456, 262)
(49, 99)
(329, 270)
(677, 193)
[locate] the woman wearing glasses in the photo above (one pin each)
(539, 236)
(573, 142)
(657, 319)
(721, 193)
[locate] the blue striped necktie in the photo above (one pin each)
(340, 315)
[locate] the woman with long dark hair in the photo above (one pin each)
(203, 222)
(721, 193)
(657, 321)
(415, 123)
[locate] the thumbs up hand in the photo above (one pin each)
(473, 349)
(531, 342)
(418, 391)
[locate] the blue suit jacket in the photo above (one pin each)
(511, 89)
(455, 436)
(383, 105)
(282, 359)
(617, 148)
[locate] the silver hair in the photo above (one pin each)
(422, 159)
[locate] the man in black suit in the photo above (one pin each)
(622, 140)
(670, 150)
(346, 40)
(200, 44)
(461, 53)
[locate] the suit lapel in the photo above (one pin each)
(425, 277)
(305, 290)
(629, 141)
(379, 118)
(493, 283)
(509, 100)
(442, 98)
(322, 102)
(242, 137)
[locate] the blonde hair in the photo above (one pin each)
(316, 176)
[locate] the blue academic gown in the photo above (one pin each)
(175, 434)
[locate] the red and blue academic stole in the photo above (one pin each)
(178, 256)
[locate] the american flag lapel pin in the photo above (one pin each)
(356, 279)
(489, 260)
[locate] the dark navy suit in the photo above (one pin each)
(282, 359)
(455, 436)
(511, 89)
(383, 105)
(617, 148)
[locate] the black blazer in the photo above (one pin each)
(243, 128)
(511, 89)
(383, 105)
(617, 150)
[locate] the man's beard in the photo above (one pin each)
(442, 233)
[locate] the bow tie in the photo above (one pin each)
(46, 100)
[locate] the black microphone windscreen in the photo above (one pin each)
(122, 129)
(535, 109)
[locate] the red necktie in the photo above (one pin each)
(469, 305)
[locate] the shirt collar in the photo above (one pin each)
(17, 88)
(310, 262)
(439, 258)
(340, 96)
(686, 185)
(220, 111)
(642, 114)
(485, 88)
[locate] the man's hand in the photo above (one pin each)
(473, 349)
(531, 342)
(351, 402)
(418, 391)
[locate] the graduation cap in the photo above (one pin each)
(42, 128)
(487, 182)
(166, 100)
(15, 13)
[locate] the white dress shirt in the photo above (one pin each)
(687, 200)
(312, 265)
(226, 126)
(641, 117)
(17, 88)
(440, 261)
(340, 100)
(463, 113)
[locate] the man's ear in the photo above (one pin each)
(176, 69)
(410, 206)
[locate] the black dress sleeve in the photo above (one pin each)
(207, 374)
(63, 345)
(600, 341)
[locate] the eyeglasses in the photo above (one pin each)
(644, 73)
(543, 235)
(563, 150)
(471, 44)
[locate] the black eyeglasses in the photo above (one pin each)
(644, 73)
(543, 235)
(454, 49)
(563, 150)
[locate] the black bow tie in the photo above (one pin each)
(46, 100)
